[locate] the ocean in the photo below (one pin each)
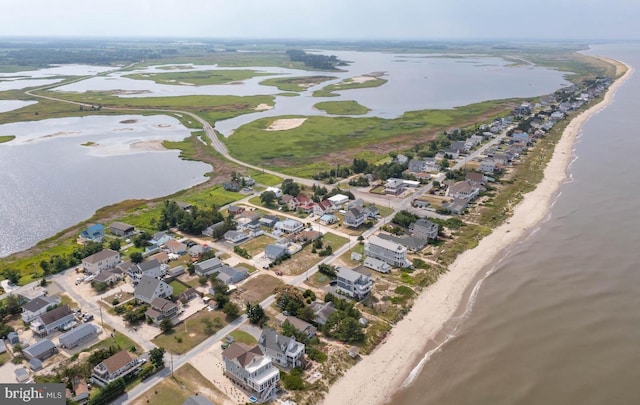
(557, 321)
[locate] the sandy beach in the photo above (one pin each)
(284, 124)
(377, 376)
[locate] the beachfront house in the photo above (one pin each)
(284, 351)
(353, 284)
(250, 368)
(388, 251)
(103, 260)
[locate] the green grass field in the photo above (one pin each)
(301, 150)
(181, 339)
(199, 78)
(348, 84)
(348, 107)
(7, 138)
(295, 83)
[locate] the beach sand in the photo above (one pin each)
(377, 376)
(285, 123)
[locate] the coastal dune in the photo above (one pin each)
(377, 376)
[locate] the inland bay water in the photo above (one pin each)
(557, 321)
(48, 181)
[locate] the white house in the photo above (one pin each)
(354, 217)
(103, 260)
(36, 307)
(277, 191)
(149, 288)
(251, 369)
(353, 284)
(284, 351)
(338, 200)
(388, 251)
(289, 226)
(377, 265)
(114, 367)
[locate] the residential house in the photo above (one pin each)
(34, 308)
(184, 206)
(41, 350)
(13, 338)
(149, 288)
(188, 295)
(174, 272)
(176, 247)
(274, 251)
(103, 260)
(93, 233)
(300, 325)
(232, 186)
(214, 230)
(357, 203)
(488, 166)
(289, 226)
(159, 239)
(235, 236)
(30, 294)
(377, 265)
(277, 191)
(52, 320)
(354, 217)
(161, 309)
(353, 284)
(161, 257)
(371, 211)
(284, 351)
(338, 200)
(121, 229)
(152, 268)
(108, 277)
(234, 210)
(456, 206)
(417, 166)
(417, 203)
(114, 367)
(424, 229)
(35, 364)
(322, 311)
(323, 207)
(412, 244)
(77, 336)
(22, 376)
(303, 203)
(463, 190)
(208, 267)
(269, 221)
(196, 251)
(328, 219)
(401, 159)
(232, 275)
(394, 186)
(250, 368)
(520, 136)
(475, 178)
(248, 181)
(389, 252)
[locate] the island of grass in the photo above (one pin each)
(348, 107)
(295, 83)
(7, 138)
(199, 78)
(90, 143)
(358, 82)
(315, 143)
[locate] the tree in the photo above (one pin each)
(290, 187)
(44, 265)
(231, 310)
(267, 198)
(12, 275)
(156, 357)
(166, 325)
(115, 244)
(349, 330)
(136, 257)
(256, 314)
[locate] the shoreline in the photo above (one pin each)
(394, 363)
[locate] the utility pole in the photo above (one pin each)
(171, 364)
(101, 321)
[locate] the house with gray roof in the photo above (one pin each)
(41, 350)
(51, 320)
(354, 217)
(289, 226)
(377, 265)
(103, 260)
(300, 325)
(424, 229)
(269, 221)
(108, 277)
(232, 275)
(208, 267)
(353, 284)
(235, 236)
(275, 251)
(388, 251)
(149, 288)
(77, 336)
(284, 351)
(152, 268)
(117, 366)
(35, 364)
(38, 306)
(22, 375)
(251, 369)
(161, 309)
(322, 311)
(121, 229)
(197, 400)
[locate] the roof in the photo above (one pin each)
(197, 400)
(149, 265)
(475, 176)
(147, 286)
(37, 304)
(95, 228)
(55, 314)
(121, 226)
(242, 353)
(348, 274)
(162, 304)
(86, 329)
(175, 244)
(424, 223)
(208, 264)
(39, 348)
(118, 360)
(35, 364)
(100, 256)
(387, 244)
(104, 276)
(376, 264)
(338, 198)
(274, 341)
(274, 250)
(299, 324)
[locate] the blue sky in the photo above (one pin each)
(325, 19)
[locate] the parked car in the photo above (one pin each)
(87, 317)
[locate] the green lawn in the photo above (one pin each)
(266, 179)
(198, 78)
(243, 337)
(185, 336)
(122, 341)
(301, 151)
(348, 84)
(296, 83)
(348, 107)
(178, 287)
(257, 245)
